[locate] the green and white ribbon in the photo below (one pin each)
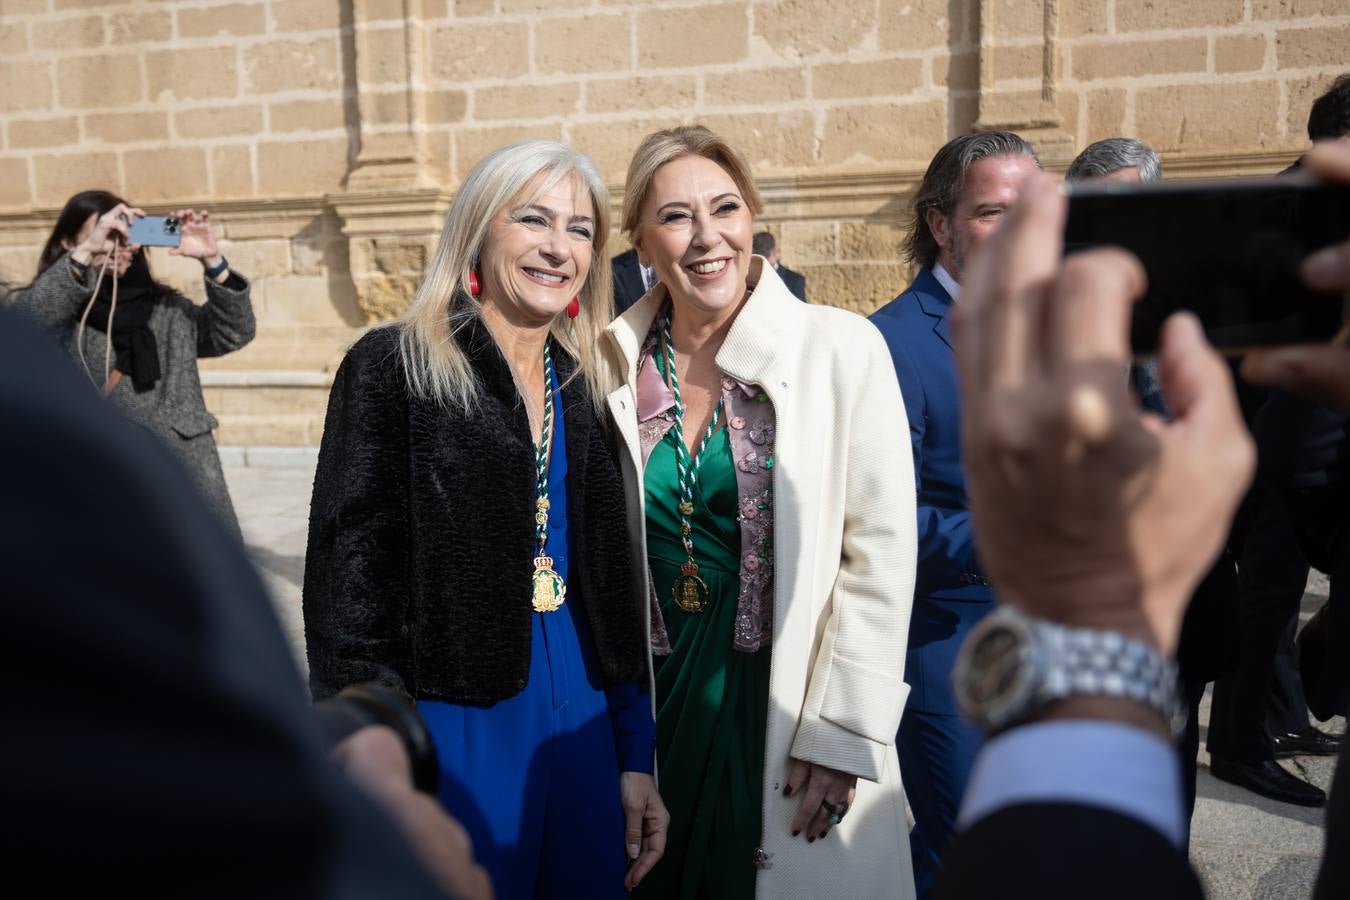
(686, 468)
(541, 457)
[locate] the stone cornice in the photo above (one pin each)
(874, 195)
(378, 211)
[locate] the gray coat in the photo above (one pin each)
(184, 331)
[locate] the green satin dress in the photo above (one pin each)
(712, 700)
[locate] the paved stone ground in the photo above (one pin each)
(1245, 847)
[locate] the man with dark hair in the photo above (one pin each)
(1329, 117)
(958, 205)
(763, 244)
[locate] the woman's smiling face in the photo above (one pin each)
(696, 232)
(538, 251)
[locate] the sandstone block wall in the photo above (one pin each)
(328, 135)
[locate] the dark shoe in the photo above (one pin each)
(1308, 742)
(1268, 779)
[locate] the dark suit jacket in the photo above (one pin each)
(627, 281)
(153, 715)
(950, 593)
(1062, 851)
(795, 281)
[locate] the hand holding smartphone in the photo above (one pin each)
(1228, 250)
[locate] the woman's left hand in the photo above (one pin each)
(196, 240)
(818, 786)
(645, 826)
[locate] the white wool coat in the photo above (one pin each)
(844, 555)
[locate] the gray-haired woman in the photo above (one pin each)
(465, 545)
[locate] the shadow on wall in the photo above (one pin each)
(320, 248)
(351, 113)
(962, 74)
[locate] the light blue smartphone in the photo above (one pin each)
(155, 231)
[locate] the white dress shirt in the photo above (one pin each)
(949, 284)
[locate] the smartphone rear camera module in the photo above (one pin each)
(170, 225)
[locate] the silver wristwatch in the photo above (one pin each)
(1011, 665)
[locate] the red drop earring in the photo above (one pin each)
(574, 308)
(475, 286)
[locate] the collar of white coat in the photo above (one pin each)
(758, 338)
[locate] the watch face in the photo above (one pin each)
(996, 664)
(995, 671)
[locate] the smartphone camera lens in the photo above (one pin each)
(170, 225)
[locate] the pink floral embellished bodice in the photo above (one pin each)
(750, 426)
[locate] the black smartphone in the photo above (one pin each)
(1226, 249)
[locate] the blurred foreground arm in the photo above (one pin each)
(1093, 514)
(154, 716)
(376, 760)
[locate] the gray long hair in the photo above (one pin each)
(946, 176)
(1113, 154)
(436, 367)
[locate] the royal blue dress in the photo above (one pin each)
(535, 778)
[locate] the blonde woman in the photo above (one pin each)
(770, 483)
(462, 548)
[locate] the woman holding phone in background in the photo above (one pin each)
(139, 340)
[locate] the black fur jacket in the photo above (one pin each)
(421, 533)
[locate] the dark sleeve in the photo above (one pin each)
(56, 298)
(153, 715)
(1061, 851)
(225, 322)
(946, 539)
(356, 588)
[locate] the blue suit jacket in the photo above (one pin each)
(950, 592)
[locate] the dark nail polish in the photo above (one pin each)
(810, 840)
(797, 832)
(787, 790)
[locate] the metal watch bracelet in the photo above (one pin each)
(1011, 666)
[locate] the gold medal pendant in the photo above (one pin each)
(549, 589)
(690, 591)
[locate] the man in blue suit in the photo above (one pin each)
(968, 186)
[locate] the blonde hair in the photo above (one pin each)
(661, 147)
(435, 366)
